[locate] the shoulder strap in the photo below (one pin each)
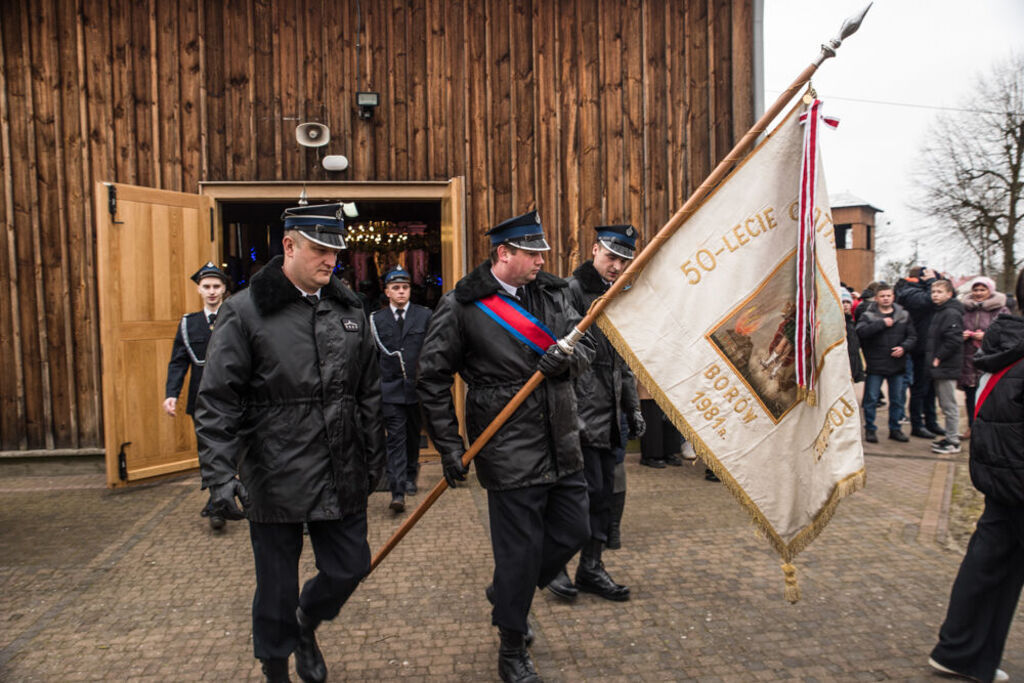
(188, 343)
(384, 349)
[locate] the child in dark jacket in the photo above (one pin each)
(886, 336)
(944, 355)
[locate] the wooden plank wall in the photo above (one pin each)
(591, 111)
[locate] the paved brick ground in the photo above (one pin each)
(133, 585)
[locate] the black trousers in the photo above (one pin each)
(970, 396)
(661, 437)
(535, 530)
(922, 395)
(342, 560)
(985, 594)
(599, 470)
(402, 423)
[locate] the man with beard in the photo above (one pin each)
(603, 392)
(496, 329)
(289, 420)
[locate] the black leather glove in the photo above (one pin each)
(222, 499)
(637, 425)
(554, 362)
(454, 470)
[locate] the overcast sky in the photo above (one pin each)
(915, 52)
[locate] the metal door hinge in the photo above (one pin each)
(122, 463)
(112, 204)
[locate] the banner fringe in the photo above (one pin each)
(787, 551)
(792, 588)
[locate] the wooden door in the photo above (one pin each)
(148, 244)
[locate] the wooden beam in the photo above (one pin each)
(36, 273)
(13, 397)
(67, 140)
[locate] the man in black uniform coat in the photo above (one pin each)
(290, 403)
(188, 355)
(604, 391)
(399, 329)
(532, 468)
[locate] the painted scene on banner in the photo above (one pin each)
(756, 336)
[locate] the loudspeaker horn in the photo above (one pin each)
(312, 134)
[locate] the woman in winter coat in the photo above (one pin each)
(988, 585)
(981, 306)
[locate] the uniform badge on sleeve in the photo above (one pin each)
(350, 325)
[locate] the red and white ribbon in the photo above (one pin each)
(806, 294)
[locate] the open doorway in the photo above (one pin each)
(385, 234)
(418, 225)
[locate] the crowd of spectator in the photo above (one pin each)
(919, 337)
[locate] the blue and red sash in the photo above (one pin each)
(517, 321)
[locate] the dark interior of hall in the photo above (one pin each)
(384, 235)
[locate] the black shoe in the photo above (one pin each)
(936, 430)
(275, 670)
(709, 475)
(871, 436)
(674, 460)
(216, 522)
(897, 435)
(591, 576)
(651, 462)
(562, 586)
(528, 638)
(410, 488)
(397, 502)
(514, 663)
(309, 661)
(921, 432)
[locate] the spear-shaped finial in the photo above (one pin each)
(848, 28)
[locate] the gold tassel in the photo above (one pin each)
(812, 397)
(792, 589)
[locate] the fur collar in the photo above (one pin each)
(589, 279)
(994, 303)
(480, 283)
(271, 290)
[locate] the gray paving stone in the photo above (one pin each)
(133, 585)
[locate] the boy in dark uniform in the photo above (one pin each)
(398, 330)
(189, 350)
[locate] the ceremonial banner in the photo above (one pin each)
(709, 327)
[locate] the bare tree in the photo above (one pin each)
(970, 176)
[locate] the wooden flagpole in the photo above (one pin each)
(737, 153)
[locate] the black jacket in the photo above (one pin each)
(853, 350)
(540, 441)
(946, 340)
(877, 340)
(399, 353)
(915, 295)
(189, 351)
(290, 400)
(607, 387)
(997, 436)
